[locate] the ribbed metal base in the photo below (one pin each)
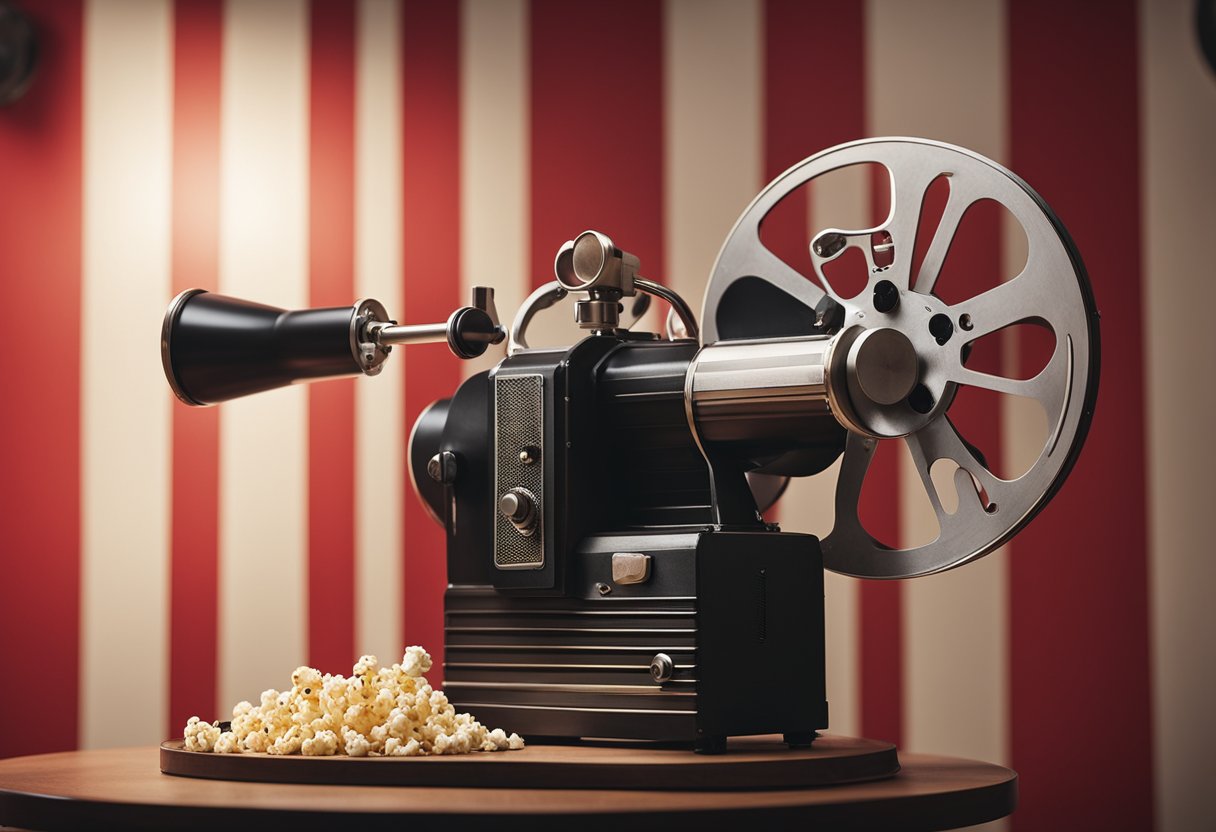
(567, 667)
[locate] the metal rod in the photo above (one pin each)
(390, 334)
(677, 303)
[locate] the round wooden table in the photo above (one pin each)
(124, 788)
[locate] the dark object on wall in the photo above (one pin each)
(1205, 24)
(610, 573)
(18, 53)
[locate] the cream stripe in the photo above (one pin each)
(494, 203)
(713, 164)
(379, 401)
(1179, 129)
(263, 257)
(125, 408)
(955, 625)
(842, 198)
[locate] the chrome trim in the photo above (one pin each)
(618, 631)
(690, 417)
(468, 591)
(524, 648)
(541, 687)
(641, 668)
(166, 357)
(533, 476)
(370, 355)
(573, 612)
(477, 706)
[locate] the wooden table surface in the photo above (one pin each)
(124, 788)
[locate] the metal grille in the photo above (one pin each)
(518, 424)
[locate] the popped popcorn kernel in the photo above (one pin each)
(200, 735)
(324, 744)
(389, 711)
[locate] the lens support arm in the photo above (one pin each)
(469, 331)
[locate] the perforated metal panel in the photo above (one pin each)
(519, 421)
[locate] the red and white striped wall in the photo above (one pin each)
(158, 561)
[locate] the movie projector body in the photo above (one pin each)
(610, 574)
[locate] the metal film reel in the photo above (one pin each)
(753, 293)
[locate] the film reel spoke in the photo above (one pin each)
(1049, 388)
(1024, 298)
(858, 452)
(940, 439)
(964, 192)
(910, 181)
(760, 261)
(924, 471)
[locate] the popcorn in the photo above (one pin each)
(356, 744)
(416, 661)
(200, 736)
(379, 711)
(324, 744)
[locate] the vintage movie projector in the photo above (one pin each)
(610, 573)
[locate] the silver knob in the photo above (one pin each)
(442, 467)
(519, 507)
(661, 668)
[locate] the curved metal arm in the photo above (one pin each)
(553, 292)
(677, 303)
(544, 297)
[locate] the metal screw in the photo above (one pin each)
(603, 589)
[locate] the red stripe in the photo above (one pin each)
(800, 55)
(597, 129)
(793, 65)
(331, 406)
(1079, 651)
(198, 44)
(430, 48)
(880, 603)
(40, 260)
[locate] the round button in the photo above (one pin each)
(884, 362)
(519, 507)
(514, 505)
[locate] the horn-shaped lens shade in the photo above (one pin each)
(216, 348)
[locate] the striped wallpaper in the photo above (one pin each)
(158, 561)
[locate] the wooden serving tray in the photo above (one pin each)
(749, 763)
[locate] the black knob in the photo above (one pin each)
(886, 296)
